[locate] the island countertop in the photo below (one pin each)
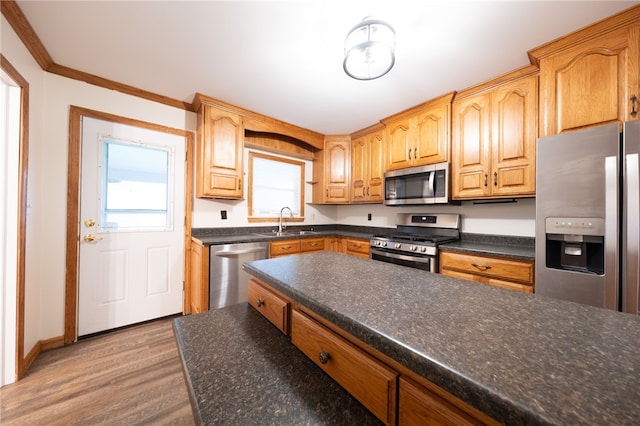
(520, 358)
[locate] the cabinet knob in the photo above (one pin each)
(259, 303)
(324, 357)
(633, 100)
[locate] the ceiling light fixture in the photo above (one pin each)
(369, 49)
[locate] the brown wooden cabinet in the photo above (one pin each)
(219, 154)
(389, 390)
(587, 78)
(494, 136)
(421, 406)
(197, 287)
(514, 274)
(420, 135)
(272, 306)
(367, 379)
(331, 171)
(356, 247)
(288, 247)
(367, 166)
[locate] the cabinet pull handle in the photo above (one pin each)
(495, 178)
(368, 193)
(415, 153)
(327, 192)
(357, 246)
(633, 100)
(259, 303)
(481, 267)
(409, 153)
(239, 184)
(286, 247)
(324, 356)
(485, 179)
(313, 244)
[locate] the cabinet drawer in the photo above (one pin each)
(506, 269)
(420, 406)
(284, 247)
(357, 247)
(273, 307)
(311, 244)
(367, 379)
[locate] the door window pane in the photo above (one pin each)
(135, 186)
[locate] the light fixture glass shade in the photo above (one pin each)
(369, 49)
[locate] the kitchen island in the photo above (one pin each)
(521, 359)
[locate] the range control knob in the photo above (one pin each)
(398, 245)
(414, 248)
(423, 249)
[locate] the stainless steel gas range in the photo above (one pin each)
(415, 241)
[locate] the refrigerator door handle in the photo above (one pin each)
(631, 238)
(612, 274)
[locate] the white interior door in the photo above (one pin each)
(131, 263)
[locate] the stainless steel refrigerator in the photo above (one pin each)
(587, 217)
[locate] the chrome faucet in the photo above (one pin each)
(280, 227)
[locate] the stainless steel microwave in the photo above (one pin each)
(417, 185)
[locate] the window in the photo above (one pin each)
(274, 183)
(136, 186)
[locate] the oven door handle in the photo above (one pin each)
(401, 256)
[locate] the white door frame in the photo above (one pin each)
(73, 207)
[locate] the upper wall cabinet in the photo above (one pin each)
(367, 165)
(420, 135)
(494, 136)
(590, 77)
(219, 164)
(331, 171)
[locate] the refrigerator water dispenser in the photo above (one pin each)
(575, 244)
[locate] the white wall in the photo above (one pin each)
(50, 99)
(510, 219)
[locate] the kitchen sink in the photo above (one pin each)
(286, 233)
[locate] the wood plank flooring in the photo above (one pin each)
(128, 377)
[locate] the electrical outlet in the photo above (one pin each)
(368, 216)
(223, 214)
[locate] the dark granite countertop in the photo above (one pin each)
(214, 236)
(520, 358)
(241, 370)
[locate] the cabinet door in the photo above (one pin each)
(337, 165)
(375, 145)
(590, 83)
(198, 288)
(367, 168)
(220, 163)
(359, 170)
(399, 146)
(431, 135)
(471, 147)
(514, 109)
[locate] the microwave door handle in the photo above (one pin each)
(432, 190)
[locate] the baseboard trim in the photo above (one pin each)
(41, 345)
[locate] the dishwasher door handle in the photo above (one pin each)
(235, 253)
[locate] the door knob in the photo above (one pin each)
(91, 238)
(89, 223)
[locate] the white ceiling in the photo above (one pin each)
(284, 58)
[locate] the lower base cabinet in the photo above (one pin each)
(419, 406)
(367, 379)
(513, 274)
(390, 391)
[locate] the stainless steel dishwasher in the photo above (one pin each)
(227, 281)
